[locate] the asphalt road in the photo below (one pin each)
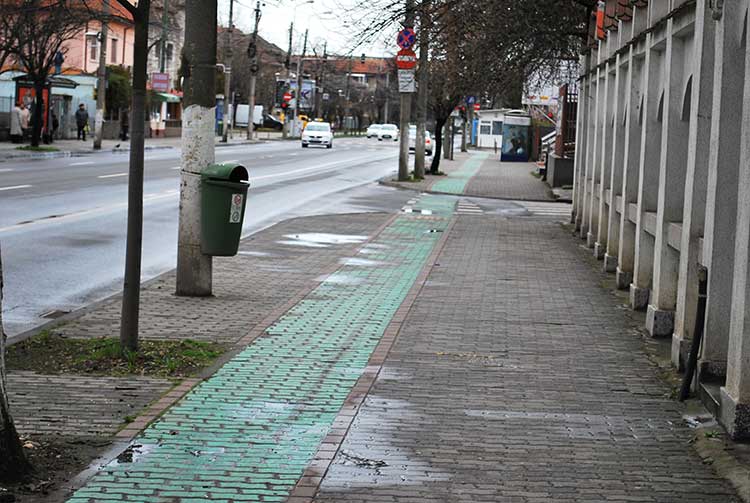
(62, 221)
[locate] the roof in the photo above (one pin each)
(371, 66)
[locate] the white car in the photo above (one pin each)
(413, 140)
(317, 133)
(388, 132)
(372, 131)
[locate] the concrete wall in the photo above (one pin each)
(661, 177)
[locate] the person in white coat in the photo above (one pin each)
(16, 132)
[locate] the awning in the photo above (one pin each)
(52, 81)
(169, 98)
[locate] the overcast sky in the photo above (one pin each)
(327, 20)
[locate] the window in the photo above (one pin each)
(113, 52)
(93, 45)
(497, 128)
(484, 129)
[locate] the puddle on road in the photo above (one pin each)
(321, 239)
(360, 262)
(340, 279)
(255, 254)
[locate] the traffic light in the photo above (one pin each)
(363, 58)
(284, 105)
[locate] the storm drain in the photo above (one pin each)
(248, 432)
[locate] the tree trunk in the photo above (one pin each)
(14, 466)
(134, 247)
(448, 139)
(435, 166)
(38, 116)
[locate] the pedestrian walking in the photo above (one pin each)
(55, 127)
(25, 118)
(124, 124)
(82, 121)
(16, 132)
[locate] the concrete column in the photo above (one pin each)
(596, 172)
(721, 194)
(616, 164)
(671, 188)
(631, 161)
(579, 176)
(735, 395)
(695, 182)
(605, 160)
(648, 174)
(588, 174)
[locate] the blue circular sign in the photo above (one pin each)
(406, 38)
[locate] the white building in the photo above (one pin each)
(662, 174)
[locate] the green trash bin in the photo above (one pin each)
(223, 199)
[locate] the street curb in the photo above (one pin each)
(309, 484)
(76, 153)
(72, 153)
(397, 185)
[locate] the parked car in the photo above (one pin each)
(413, 140)
(270, 122)
(388, 132)
(372, 131)
(317, 133)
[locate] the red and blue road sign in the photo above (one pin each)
(406, 38)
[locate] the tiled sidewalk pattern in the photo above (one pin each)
(247, 433)
(456, 181)
(517, 379)
(507, 180)
(271, 267)
(78, 405)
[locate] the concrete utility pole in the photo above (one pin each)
(163, 54)
(403, 154)
(194, 270)
(423, 75)
(298, 94)
(252, 52)
(227, 74)
(101, 85)
(285, 129)
(387, 111)
(463, 130)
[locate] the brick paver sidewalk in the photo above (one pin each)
(480, 174)
(516, 378)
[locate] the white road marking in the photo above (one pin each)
(113, 176)
(85, 163)
(6, 170)
(14, 187)
(176, 167)
(303, 170)
(102, 209)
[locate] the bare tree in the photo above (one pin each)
(13, 463)
(134, 247)
(41, 29)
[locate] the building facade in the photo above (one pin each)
(662, 173)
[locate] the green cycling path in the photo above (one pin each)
(456, 182)
(248, 432)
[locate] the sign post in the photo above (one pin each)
(406, 60)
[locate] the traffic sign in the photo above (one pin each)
(406, 38)
(287, 96)
(406, 81)
(477, 107)
(406, 59)
(470, 100)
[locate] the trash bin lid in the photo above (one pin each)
(230, 172)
